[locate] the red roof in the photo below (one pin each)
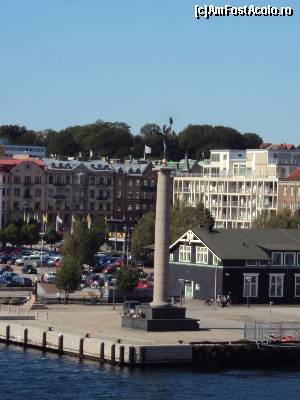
(294, 176)
(13, 162)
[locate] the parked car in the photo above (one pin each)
(144, 284)
(94, 280)
(52, 260)
(27, 269)
(49, 277)
(6, 268)
(6, 280)
(21, 281)
(111, 268)
(4, 258)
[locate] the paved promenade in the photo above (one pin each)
(221, 324)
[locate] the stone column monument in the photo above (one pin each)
(160, 315)
(162, 235)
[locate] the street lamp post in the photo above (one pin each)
(181, 281)
(124, 242)
(114, 293)
(270, 316)
(41, 256)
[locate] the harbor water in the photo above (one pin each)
(30, 374)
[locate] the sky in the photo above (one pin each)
(70, 62)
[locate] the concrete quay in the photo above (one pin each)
(94, 332)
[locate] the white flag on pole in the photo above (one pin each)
(148, 150)
(58, 222)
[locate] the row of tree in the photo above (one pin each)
(114, 139)
(20, 233)
(285, 219)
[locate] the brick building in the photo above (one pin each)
(289, 192)
(116, 191)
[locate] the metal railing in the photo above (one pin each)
(263, 332)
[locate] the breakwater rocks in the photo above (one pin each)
(203, 355)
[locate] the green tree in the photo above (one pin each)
(51, 236)
(198, 140)
(284, 219)
(126, 279)
(143, 235)
(68, 276)
(182, 218)
(12, 234)
(83, 243)
(30, 233)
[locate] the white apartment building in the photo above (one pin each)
(236, 185)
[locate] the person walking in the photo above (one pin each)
(58, 297)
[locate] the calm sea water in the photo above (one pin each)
(31, 375)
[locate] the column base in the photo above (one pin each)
(160, 319)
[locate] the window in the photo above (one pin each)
(27, 179)
(50, 193)
(38, 192)
(298, 259)
(297, 285)
(119, 194)
(276, 285)
(50, 180)
(292, 191)
(129, 207)
(215, 260)
(263, 263)
(251, 263)
(137, 195)
(201, 255)
(285, 191)
(92, 194)
(16, 179)
(172, 257)
(37, 180)
(17, 192)
(68, 180)
(289, 259)
(92, 206)
(67, 192)
(137, 206)
(276, 259)
(138, 182)
(250, 288)
(215, 157)
(185, 253)
(119, 182)
(130, 182)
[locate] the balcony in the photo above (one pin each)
(28, 183)
(27, 196)
(59, 196)
(59, 184)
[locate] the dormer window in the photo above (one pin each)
(289, 259)
(277, 259)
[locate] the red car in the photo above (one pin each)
(144, 284)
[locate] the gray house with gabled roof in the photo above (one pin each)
(260, 265)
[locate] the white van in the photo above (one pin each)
(27, 260)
